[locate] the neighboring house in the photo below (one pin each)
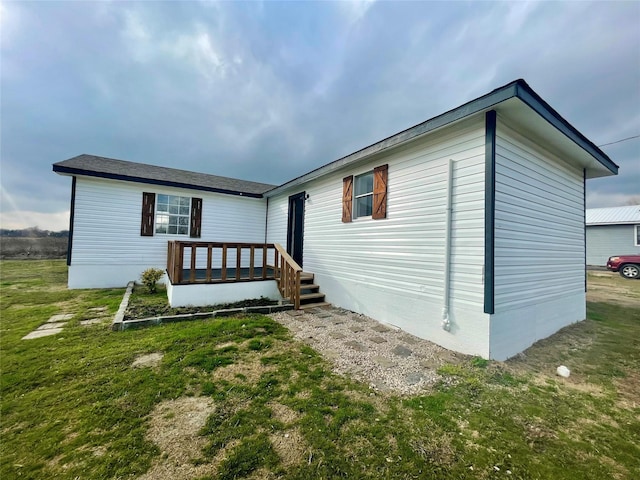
(612, 231)
(467, 229)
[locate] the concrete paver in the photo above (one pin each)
(93, 321)
(41, 333)
(402, 351)
(50, 326)
(61, 317)
(356, 346)
(377, 340)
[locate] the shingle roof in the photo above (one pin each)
(613, 215)
(94, 166)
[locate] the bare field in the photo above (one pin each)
(17, 248)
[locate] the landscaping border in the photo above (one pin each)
(120, 324)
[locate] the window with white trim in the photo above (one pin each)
(173, 214)
(363, 195)
(637, 235)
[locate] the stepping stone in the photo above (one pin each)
(356, 346)
(337, 321)
(380, 328)
(337, 335)
(413, 378)
(323, 314)
(49, 326)
(358, 319)
(377, 340)
(319, 325)
(410, 339)
(356, 328)
(340, 311)
(41, 333)
(429, 364)
(61, 317)
(92, 321)
(295, 313)
(99, 309)
(331, 354)
(149, 360)
(384, 362)
(380, 386)
(402, 351)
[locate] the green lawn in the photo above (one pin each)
(74, 408)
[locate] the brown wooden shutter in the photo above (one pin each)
(380, 192)
(196, 218)
(347, 198)
(148, 207)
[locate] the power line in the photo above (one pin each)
(618, 141)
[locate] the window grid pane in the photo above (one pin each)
(173, 214)
(363, 193)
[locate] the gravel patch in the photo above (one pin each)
(388, 359)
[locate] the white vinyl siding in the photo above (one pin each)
(604, 241)
(106, 234)
(539, 244)
(277, 218)
(539, 220)
(392, 269)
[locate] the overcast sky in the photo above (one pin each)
(267, 91)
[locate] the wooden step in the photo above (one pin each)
(309, 286)
(311, 296)
(308, 306)
(306, 277)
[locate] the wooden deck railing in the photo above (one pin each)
(289, 276)
(224, 262)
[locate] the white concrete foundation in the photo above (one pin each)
(200, 295)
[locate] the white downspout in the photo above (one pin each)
(446, 323)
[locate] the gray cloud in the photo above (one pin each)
(268, 91)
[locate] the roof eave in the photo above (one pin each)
(519, 89)
(63, 170)
(525, 93)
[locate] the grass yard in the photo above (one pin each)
(238, 398)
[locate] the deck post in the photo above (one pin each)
(238, 264)
(223, 274)
(209, 261)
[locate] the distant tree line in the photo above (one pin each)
(32, 232)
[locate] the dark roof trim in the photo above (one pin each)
(149, 181)
(517, 88)
(542, 108)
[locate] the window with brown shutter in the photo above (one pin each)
(347, 198)
(148, 206)
(196, 217)
(380, 192)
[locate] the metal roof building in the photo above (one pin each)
(612, 231)
(613, 215)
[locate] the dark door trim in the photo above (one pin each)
(295, 226)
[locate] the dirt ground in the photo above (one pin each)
(611, 287)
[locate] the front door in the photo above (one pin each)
(295, 228)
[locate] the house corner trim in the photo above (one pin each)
(72, 210)
(489, 211)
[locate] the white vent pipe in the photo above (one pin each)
(446, 322)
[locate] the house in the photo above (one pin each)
(467, 229)
(612, 231)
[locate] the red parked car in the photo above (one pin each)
(627, 265)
